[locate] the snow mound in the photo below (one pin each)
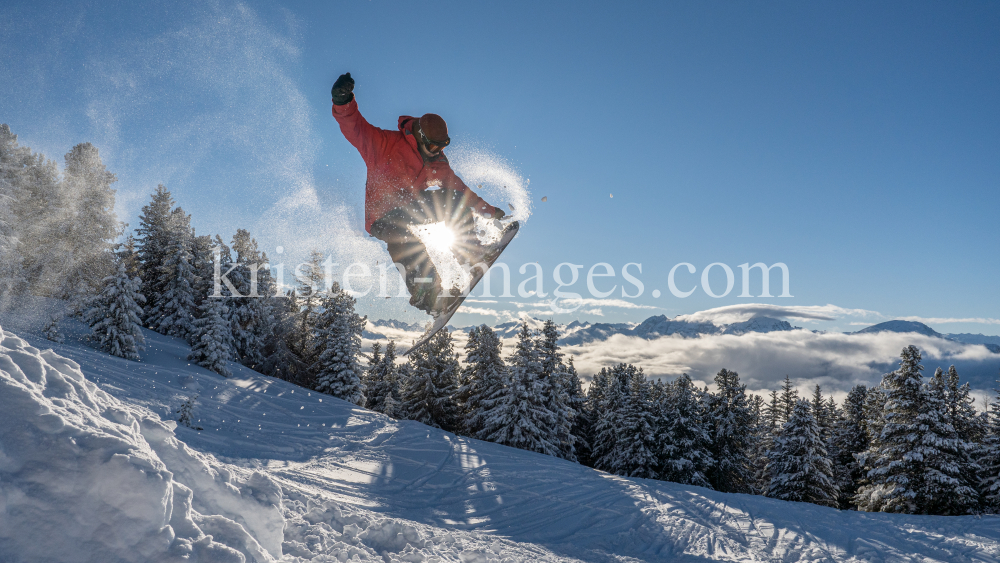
(83, 477)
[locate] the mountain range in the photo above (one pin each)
(578, 333)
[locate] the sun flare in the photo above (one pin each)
(437, 237)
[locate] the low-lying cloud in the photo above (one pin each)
(836, 361)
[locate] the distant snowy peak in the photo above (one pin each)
(758, 324)
(902, 326)
(660, 325)
(992, 343)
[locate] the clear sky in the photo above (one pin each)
(856, 142)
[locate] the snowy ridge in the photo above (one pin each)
(277, 467)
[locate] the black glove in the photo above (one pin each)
(498, 214)
(343, 90)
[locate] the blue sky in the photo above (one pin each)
(856, 142)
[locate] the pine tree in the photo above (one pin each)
(39, 210)
(307, 299)
(115, 315)
(213, 341)
(989, 457)
(945, 487)
(174, 311)
(685, 437)
(638, 433)
(970, 427)
(894, 473)
(338, 344)
(280, 357)
(822, 414)
(483, 378)
(429, 391)
(577, 403)
(554, 389)
(382, 381)
(91, 225)
(730, 417)
(612, 402)
(152, 238)
(13, 160)
(798, 465)
(773, 413)
(520, 418)
(250, 314)
(599, 398)
(760, 443)
(849, 438)
(789, 396)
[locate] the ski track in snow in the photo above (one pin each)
(354, 482)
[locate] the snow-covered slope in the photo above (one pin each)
(98, 473)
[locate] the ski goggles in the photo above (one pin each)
(433, 146)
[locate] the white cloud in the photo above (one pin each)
(573, 302)
(736, 313)
(479, 311)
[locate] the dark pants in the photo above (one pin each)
(406, 249)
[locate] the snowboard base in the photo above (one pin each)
(442, 320)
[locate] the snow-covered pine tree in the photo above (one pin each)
(609, 403)
(554, 388)
(90, 226)
(152, 238)
(280, 359)
(371, 379)
(308, 295)
(598, 398)
(798, 465)
(520, 419)
(849, 438)
(382, 381)
(14, 160)
(729, 414)
(789, 396)
(202, 262)
(483, 379)
(577, 402)
(685, 436)
(773, 413)
(338, 345)
(393, 405)
(822, 414)
(638, 433)
(989, 457)
(760, 443)
(429, 394)
(970, 426)
(38, 207)
(465, 381)
(213, 339)
(250, 315)
(948, 486)
(894, 474)
(174, 312)
(115, 315)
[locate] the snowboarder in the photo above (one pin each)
(411, 183)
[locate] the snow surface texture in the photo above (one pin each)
(93, 473)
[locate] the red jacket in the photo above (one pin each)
(396, 170)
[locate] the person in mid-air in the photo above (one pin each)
(411, 183)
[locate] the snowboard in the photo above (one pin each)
(442, 319)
